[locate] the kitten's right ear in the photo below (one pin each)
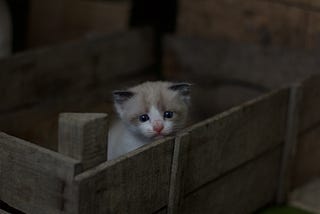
(120, 97)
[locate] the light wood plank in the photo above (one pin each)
(307, 197)
(83, 136)
(36, 180)
(135, 183)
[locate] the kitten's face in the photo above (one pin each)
(154, 109)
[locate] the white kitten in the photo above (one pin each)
(5, 30)
(147, 112)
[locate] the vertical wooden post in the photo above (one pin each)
(83, 136)
(290, 143)
(176, 189)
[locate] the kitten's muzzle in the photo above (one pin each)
(157, 126)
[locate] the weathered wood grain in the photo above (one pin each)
(307, 197)
(310, 114)
(226, 141)
(135, 183)
(307, 160)
(243, 190)
(290, 144)
(36, 180)
(36, 76)
(3, 212)
(83, 136)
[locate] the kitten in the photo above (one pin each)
(147, 112)
(5, 30)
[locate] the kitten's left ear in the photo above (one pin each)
(184, 89)
(120, 97)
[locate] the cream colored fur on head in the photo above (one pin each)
(147, 112)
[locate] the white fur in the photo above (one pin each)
(129, 133)
(121, 141)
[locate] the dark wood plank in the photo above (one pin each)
(263, 22)
(226, 141)
(306, 166)
(243, 190)
(310, 114)
(76, 67)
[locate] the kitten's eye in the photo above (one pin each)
(144, 118)
(168, 114)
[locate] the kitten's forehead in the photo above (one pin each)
(156, 94)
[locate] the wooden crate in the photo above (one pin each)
(244, 156)
(203, 169)
(75, 76)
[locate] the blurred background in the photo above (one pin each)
(68, 55)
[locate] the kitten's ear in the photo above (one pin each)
(184, 89)
(120, 97)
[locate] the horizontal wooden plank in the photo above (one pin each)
(263, 22)
(243, 190)
(307, 157)
(135, 183)
(218, 63)
(310, 115)
(77, 67)
(226, 141)
(3, 212)
(307, 197)
(35, 180)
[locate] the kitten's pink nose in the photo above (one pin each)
(157, 127)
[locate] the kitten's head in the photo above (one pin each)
(154, 109)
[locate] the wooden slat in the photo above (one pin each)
(77, 67)
(310, 114)
(83, 136)
(222, 63)
(226, 141)
(3, 212)
(35, 180)
(135, 183)
(307, 166)
(290, 144)
(307, 197)
(243, 190)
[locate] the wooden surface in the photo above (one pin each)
(35, 180)
(307, 165)
(243, 190)
(74, 77)
(231, 73)
(83, 136)
(136, 183)
(74, 19)
(291, 23)
(307, 197)
(310, 114)
(73, 68)
(234, 137)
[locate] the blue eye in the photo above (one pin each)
(143, 118)
(168, 114)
